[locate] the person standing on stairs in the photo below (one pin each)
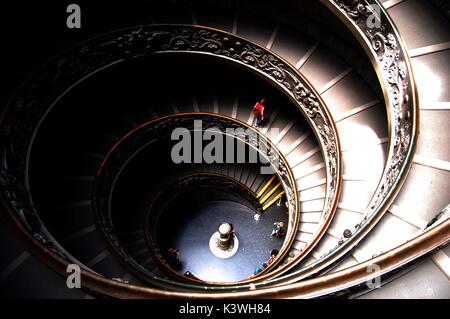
(273, 255)
(258, 112)
(278, 230)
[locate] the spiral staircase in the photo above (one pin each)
(357, 106)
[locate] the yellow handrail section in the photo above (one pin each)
(265, 187)
(270, 193)
(273, 201)
(263, 200)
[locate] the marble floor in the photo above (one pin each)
(193, 230)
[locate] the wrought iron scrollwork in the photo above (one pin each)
(396, 78)
(392, 66)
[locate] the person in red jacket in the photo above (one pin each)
(258, 111)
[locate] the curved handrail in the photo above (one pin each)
(432, 238)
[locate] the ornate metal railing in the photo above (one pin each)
(373, 28)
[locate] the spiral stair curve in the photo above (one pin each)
(354, 135)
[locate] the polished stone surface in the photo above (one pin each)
(192, 234)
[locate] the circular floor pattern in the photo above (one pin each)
(192, 233)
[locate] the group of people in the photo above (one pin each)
(273, 255)
(277, 231)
